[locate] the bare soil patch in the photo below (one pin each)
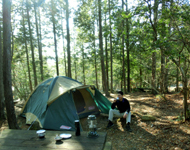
(166, 132)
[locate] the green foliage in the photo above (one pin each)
(172, 33)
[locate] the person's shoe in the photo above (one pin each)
(110, 124)
(128, 128)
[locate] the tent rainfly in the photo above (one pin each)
(57, 102)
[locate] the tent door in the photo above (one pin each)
(79, 101)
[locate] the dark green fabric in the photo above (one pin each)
(61, 112)
(37, 101)
(102, 102)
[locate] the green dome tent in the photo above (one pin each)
(57, 102)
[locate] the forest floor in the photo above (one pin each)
(167, 132)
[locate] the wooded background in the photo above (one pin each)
(112, 44)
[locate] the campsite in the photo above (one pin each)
(166, 132)
(70, 65)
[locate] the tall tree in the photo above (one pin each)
(68, 39)
(7, 80)
(2, 102)
(63, 38)
(75, 64)
(179, 44)
(96, 69)
(106, 43)
(40, 47)
(38, 38)
(154, 32)
(95, 12)
(111, 61)
(101, 51)
(123, 53)
(128, 50)
(163, 72)
(54, 33)
(26, 48)
(83, 65)
(154, 25)
(95, 55)
(12, 36)
(31, 45)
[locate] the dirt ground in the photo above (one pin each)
(167, 132)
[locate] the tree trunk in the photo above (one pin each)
(2, 99)
(163, 73)
(68, 39)
(162, 86)
(7, 80)
(95, 64)
(128, 65)
(41, 57)
(83, 67)
(75, 68)
(12, 51)
(141, 85)
(54, 33)
(38, 39)
(63, 37)
(177, 80)
(184, 72)
(101, 51)
(27, 57)
(153, 72)
(185, 89)
(185, 106)
(64, 53)
(96, 70)
(31, 45)
(121, 62)
(166, 77)
(106, 50)
(167, 60)
(154, 25)
(127, 47)
(123, 54)
(65, 60)
(111, 63)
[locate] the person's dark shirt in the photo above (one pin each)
(121, 105)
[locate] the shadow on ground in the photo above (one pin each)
(163, 133)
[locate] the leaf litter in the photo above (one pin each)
(166, 132)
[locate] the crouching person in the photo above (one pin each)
(123, 107)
